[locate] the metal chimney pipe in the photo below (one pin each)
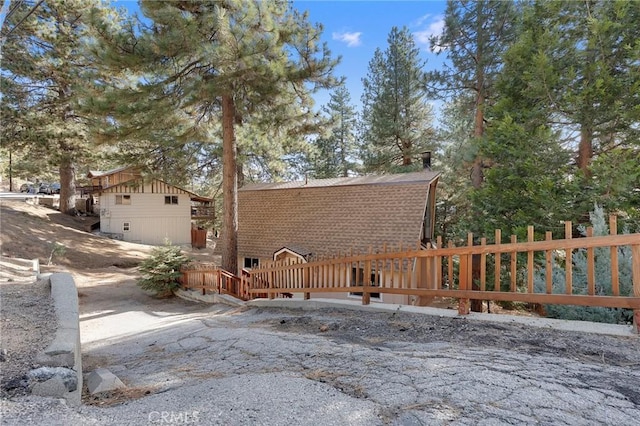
(426, 160)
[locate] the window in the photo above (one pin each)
(357, 279)
(171, 199)
(251, 262)
(123, 199)
(126, 227)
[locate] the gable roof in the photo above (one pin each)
(150, 186)
(327, 216)
(299, 251)
(402, 178)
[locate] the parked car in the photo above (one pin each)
(55, 188)
(28, 188)
(44, 188)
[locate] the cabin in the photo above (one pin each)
(311, 219)
(147, 210)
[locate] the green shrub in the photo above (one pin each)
(602, 280)
(161, 271)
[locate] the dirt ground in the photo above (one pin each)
(29, 231)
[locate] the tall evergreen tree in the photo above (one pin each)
(475, 35)
(230, 63)
(396, 123)
(44, 63)
(526, 184)
(336, 152)
(571, 71)
(593, 49)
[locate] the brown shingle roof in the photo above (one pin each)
(328, 216)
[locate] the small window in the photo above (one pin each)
(126, 227)
(123, 199)
(251, 262)
(171, 199)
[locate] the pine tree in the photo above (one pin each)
(526, 184)
(44, 63)
(591, 48)
(336, 152)
(161, 271)
(396, 119)
(224, 65)
(570, 71)
(475, 35)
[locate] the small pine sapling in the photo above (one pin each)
(161, 271)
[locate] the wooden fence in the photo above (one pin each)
(210, 278)
(504, 272)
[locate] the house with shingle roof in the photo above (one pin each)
(328, 217)
(147, 210)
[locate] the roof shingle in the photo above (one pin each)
(328, 216)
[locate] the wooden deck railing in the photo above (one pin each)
(210, 278)
(447, 272)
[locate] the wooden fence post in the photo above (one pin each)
(548, 264)
(307, 281)
(591, 266)
(530, 238)
(497, 266)
(463, 283)
(514, 267)
(272, 295)
(615, 279)
(483, 267)
(366, 296)
(366, 280)
(438, 266)
(635, 261)
(568, 279)
(474, 275)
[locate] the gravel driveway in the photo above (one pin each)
(190, 363)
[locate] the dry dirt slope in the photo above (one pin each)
(30, 231)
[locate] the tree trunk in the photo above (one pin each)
(240, 168)
(67, 186)
(10, 173)
(477, 174)
(585, 150)
(229, 187)
(406, 154)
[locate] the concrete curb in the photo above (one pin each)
(61, 374)
(564, 325)
(197, 296)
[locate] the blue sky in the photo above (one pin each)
(354, 29)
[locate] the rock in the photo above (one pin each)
(3, 355)
(16, 383)
(45, 380)
(103, 380)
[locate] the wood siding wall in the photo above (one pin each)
(151, 220)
